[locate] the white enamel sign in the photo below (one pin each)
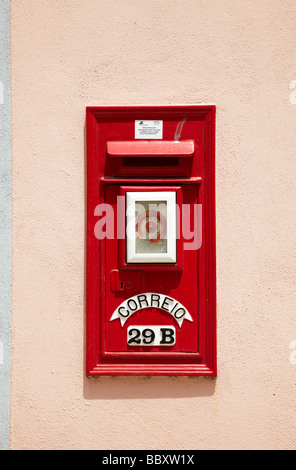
(148, 129)
(149, 299)
(151, 335)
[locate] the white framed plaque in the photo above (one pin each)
(151, 227)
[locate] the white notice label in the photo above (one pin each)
(148, 129)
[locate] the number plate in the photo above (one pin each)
(151, 335)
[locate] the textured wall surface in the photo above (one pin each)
(5, 223)
(239, 55)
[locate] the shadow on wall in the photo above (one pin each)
(135, 387)
(114, 388)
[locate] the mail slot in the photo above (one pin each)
(150, 274)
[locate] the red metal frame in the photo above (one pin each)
(101, 172)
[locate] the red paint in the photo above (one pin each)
(191, 281)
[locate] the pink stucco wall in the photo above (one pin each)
(239, 55)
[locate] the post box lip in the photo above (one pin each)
(149, 148)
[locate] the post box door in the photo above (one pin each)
(153, 284)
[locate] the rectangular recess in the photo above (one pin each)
(148, 162)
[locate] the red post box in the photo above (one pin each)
(151, 288)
